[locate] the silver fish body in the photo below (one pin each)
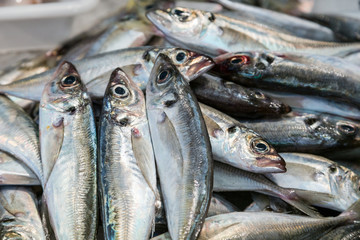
(215, 34)
(293, 25)
(325, 76)
(69, 153)
(345, 27)
(219, 205)
(15, 172)
(307, 132)
(121, 35)
(96, 70)
(234, 99)
(236, 145)
(266, 225)
(348, 232)
(182, 149)
(19, 136)
(311, 103)
(19, 216)
(126, 162)
(322, 182)
(228, 179)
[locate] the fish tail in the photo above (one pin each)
(290, 196)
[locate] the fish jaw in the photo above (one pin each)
(161, 19)
(200, 64)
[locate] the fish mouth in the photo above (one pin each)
(275, 166)
(161, 19)
(199, 65)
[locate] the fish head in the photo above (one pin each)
(344, 183)
(181, 23)
(190, 64)
(65, 93)
(123, 99)
(270, 105)
(246, 64)
(256, 152)
(165, 82)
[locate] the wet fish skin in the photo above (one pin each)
(219, 205)
(178, 132)
(234, 144)
(348, 232)
(296, 26)
(256, 225)
(127, 164)
(69, 153)
(315, 104)
(95, 71)
(19, 217)
(307, 132)
(345, 27)
(15, 172)
(215, 34)
(322, 182)
(19, 136)
(124, 34)
(228, 179)
(324, 76)
(234, 99)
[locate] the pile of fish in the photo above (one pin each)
(173, 122)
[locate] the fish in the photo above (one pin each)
(214, 34)
(323, 76)
(315, 104)
(234, 99)
(307, 132)
(347, 232)
(230, 179)
(220, 205)
(263, 202)
(267, 225)
(19, 216)
(320, 181)
(234, 144)
(19, 136)
(126, 162)
(69, 153)
(178, 132)
(346, 27)
(124, 34)
(293, 25)
(93, 73)
(15, 172)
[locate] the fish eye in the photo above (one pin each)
(120, 91)
(260, 146)
(346, 128)
(163, 76)
(239, 60)
(259, 95)
(69, 81)
(182, 15)
(181, 57)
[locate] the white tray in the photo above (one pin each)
(39, 26)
